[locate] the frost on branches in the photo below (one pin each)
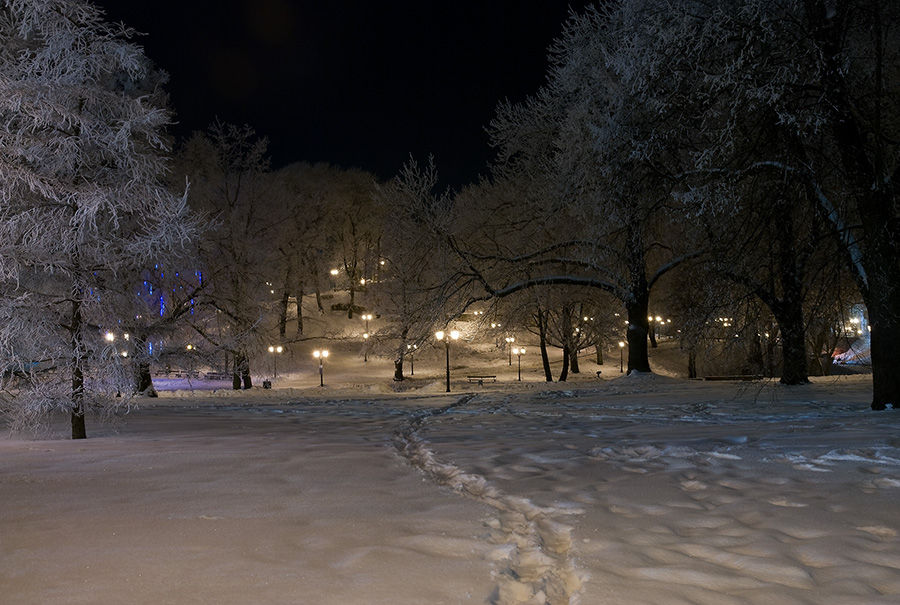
(82, 211)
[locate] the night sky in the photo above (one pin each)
(354, 83)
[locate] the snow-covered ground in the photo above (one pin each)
(637, 489)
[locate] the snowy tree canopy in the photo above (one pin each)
(82, 155)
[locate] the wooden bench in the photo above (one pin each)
(480, 379)
(217, 376)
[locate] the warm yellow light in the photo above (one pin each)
(454, 334)
(439, 335)
(621, 344)
(110, 336)
(334, 271)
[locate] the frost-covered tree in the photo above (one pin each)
(229, 172)
(574, 200)
(82, 211)
(821, 75)
(415, 289)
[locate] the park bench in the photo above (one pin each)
(217, 376)
(481, 378)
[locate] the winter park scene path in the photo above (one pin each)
(641, 489)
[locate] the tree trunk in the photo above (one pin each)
(692, 362)
(636, 307)
(564, 372)
(398, 362)
(79, 430)
(541, 318)
(282, 320)
(299, 301)
(573, 361)
(883, 305)
(241, 373)
(599, 348)
(143, 379)
(352, 300)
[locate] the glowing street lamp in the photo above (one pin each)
(274, 350)
(367, 317)
(519, 352)
(621, 356)
(412, 362)
(454, 335)
(366, 347)
(509, 341)
(321, 355)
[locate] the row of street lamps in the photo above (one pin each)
(441, 336)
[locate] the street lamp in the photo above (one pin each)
(454, 335)
(509, 341)
(321, 355)
(519, 352)
(274, 350)
(366, 347)
(367, 318)
(412, 362)
(621, 356)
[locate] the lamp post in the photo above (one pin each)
(454, 335)
(519, 352)
(365, 347)
(621, 356)
(274, 350)
(367, 317)
(412, 362)
(321, 355)
(509, 341)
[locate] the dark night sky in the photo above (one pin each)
(355, 83)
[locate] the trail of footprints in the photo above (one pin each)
(534, 545)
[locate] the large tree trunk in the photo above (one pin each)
(636, 307)
(573, 361)
(874, 261)
(883, 305)
(789, 315)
